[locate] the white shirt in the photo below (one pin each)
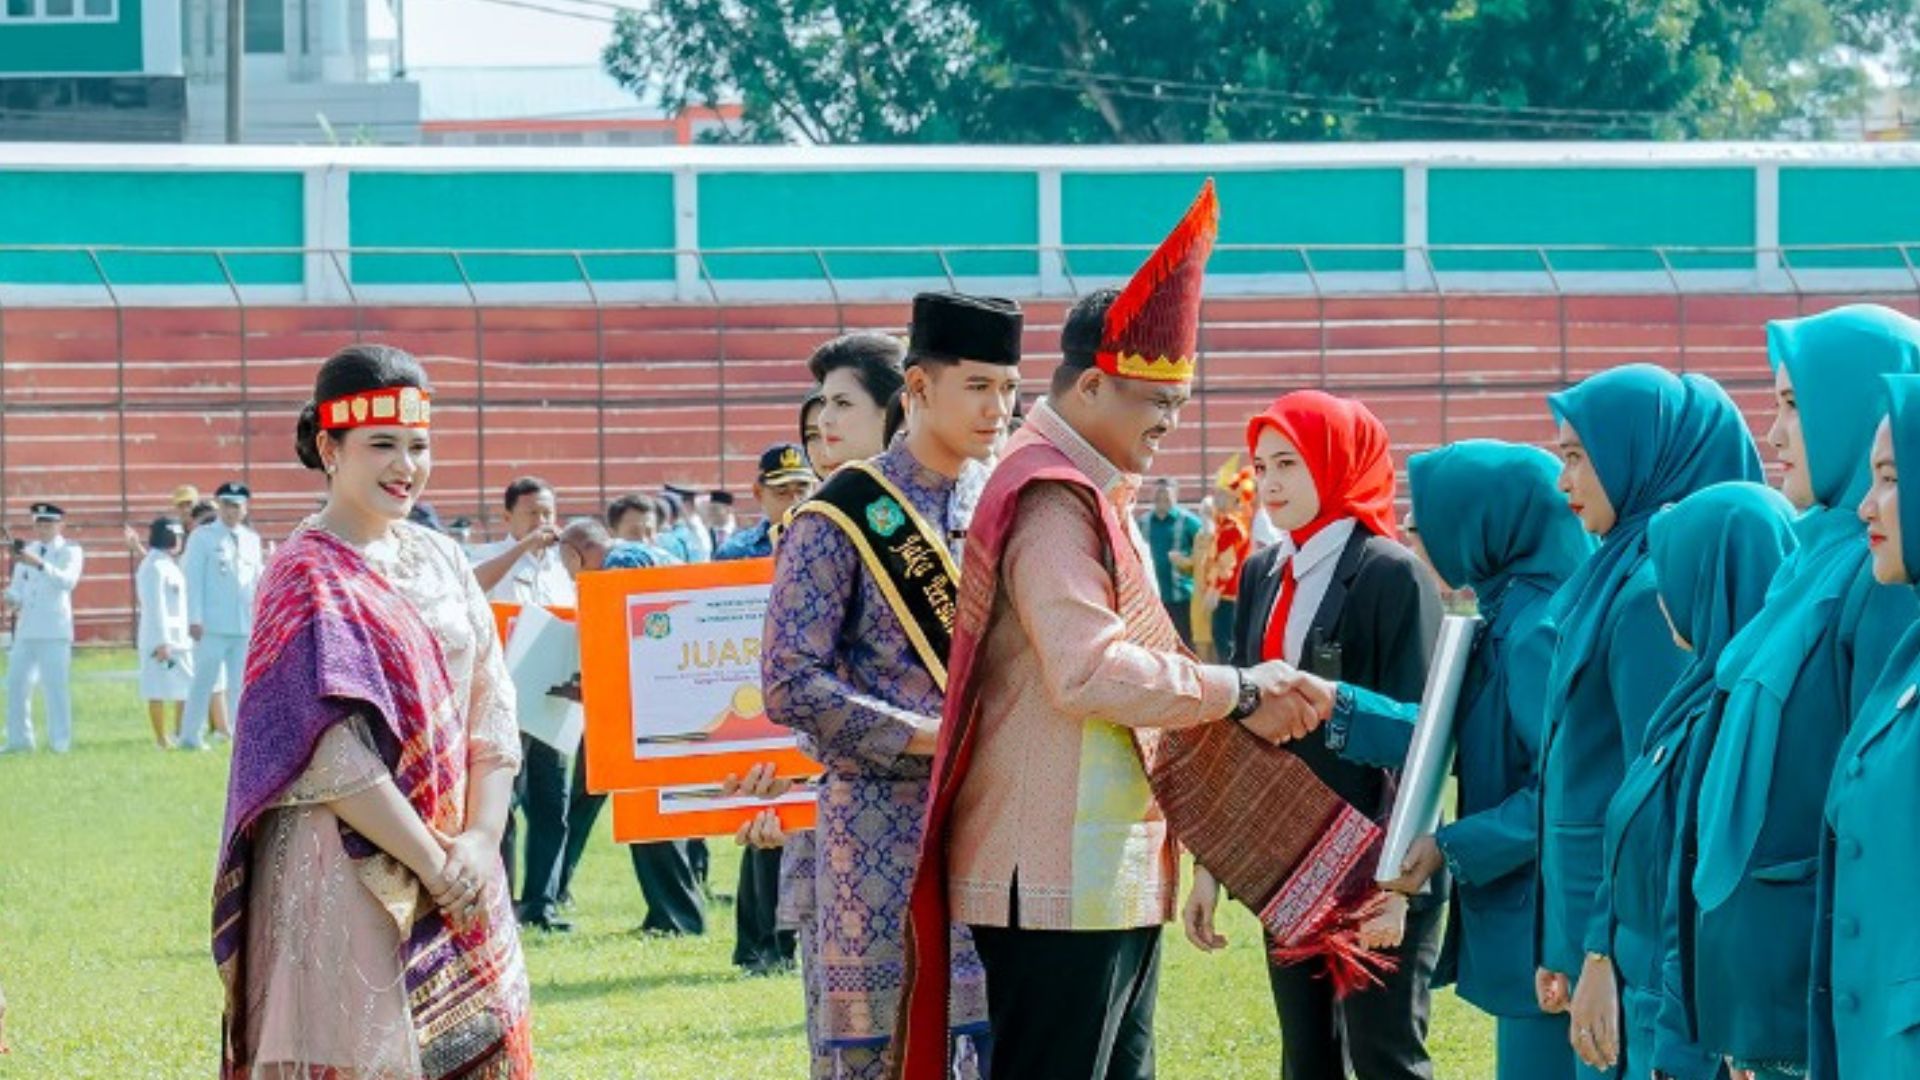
(223, 568)
(44, 597)
(534, 579)
(162, 588)
(1313, 567)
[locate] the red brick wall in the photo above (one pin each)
(105, 411)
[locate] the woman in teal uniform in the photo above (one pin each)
(1713, 556)
(1632, 440)
(1501, 529)
(1866, 953)
(1791, 683)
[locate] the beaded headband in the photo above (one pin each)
(401, 406)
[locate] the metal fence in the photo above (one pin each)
(86, 273)
(606, 382)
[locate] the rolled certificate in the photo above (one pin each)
(1423, 780)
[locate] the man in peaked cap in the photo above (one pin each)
(1043, 834)
(855, 660)
(783, 482)
(40, 595)
(223, 564)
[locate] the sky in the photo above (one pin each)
(459, 33)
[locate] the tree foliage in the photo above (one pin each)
(1091, 71)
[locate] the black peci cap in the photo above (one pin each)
(954, 326)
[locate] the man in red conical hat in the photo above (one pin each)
(1045, 835)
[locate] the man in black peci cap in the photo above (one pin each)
(854, 659)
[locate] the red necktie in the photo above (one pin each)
(1274, 645)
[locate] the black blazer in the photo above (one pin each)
(1382, 611)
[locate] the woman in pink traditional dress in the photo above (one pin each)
(361, 922)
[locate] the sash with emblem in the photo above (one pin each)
(907, 557)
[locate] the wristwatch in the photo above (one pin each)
(1248, 699)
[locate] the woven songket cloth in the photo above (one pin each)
(333, 643)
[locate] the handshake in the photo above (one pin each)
(1293, 703)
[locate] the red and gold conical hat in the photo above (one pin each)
(1153, 327)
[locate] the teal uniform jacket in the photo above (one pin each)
(1499, 526)
(1866, 953)
(1865, 999)
(1490, 846)
(1713, 556)
(1653, 438)
(1751, 1004)
(1583, 763)
(1790, 684)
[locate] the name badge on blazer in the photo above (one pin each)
(1323, 656)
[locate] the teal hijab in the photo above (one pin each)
(1654, 438)
(1714, 554)
(1497, 516)
(1903, 406)
(1902, 396)
(1836, 361)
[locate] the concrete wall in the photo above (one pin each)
(690, 223)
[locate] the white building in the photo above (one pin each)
(317, 71)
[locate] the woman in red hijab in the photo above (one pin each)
(1341, 597)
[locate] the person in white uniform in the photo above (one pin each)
(165, 646)
(223, 564)
(40, 595)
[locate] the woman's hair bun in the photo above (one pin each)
(306, 437)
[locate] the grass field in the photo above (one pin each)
(106, 859)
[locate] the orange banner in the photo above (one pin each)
(670, 672)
